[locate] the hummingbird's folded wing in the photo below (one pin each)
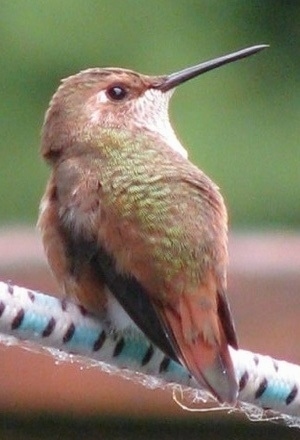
(135, 301)
(125, 288)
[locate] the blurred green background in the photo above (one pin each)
(240, 123)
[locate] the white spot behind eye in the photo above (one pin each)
(93, 107)
(102, 97)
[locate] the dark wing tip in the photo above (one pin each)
(226, 319)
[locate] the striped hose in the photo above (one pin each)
(66, 329)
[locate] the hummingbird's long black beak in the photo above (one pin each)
(174, 79)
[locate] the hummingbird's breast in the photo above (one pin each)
(164, 220)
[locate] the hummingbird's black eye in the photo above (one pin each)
(116, 93)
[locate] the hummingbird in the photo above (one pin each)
(132, 230)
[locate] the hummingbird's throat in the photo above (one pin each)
(150, 112)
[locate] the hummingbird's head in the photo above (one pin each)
(117, 99)
(109, 98)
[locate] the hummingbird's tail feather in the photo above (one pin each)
(203, 347)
